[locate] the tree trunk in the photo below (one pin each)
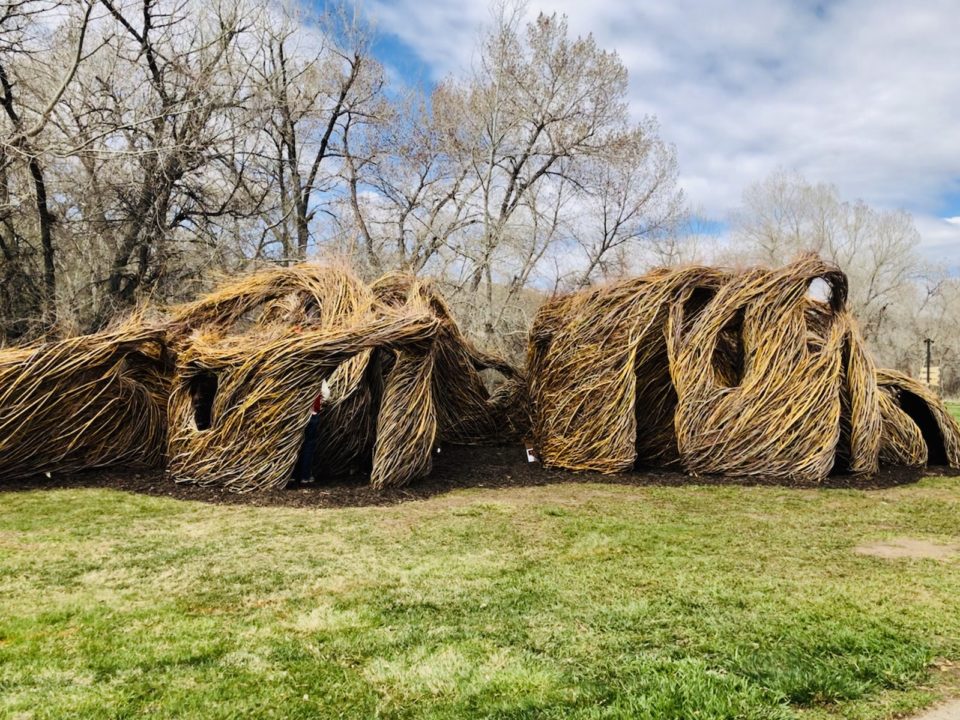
(45, 226)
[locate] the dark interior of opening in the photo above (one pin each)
(203, 391)
(918, 410)
(728, 355)
(311, 308)
(841, 462)
(654, 408)
(695, 303)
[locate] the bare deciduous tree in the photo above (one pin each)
(784, 215)
(29, 97)
(315, 95)
(630, 195)
(179, 137)
(494, 177)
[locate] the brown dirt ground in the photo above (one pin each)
(949, 710)
(454, 468)
(905, 547)
(947, 675)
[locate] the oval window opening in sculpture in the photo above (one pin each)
(728, 354)
(203, 391)
(820, 291)
(818, 313)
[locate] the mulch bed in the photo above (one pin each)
(455, 467)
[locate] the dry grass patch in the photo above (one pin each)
(906, 547)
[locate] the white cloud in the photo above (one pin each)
(443, 34)
(941, 238)
(860, 93)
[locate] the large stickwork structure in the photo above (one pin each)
(697, 368)
(221, 389)
(86, 402)
(252, 356)
(742, 374)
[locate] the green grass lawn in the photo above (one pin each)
(593, 601)
(954, 408)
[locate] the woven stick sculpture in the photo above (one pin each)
(917, 427)
(600, 388)
(723, 373)
(236, 373)
(467, 412)
(252, 357)
(263, 399)
(407, 422)
(256, 314)
(84, 403)
(772, 405)
(712, 371)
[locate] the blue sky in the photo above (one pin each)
(403, 64)
(950, 202)
(864, 94)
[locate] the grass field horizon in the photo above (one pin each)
(571, 600)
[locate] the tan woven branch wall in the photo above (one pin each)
(237, 372)
(401, 375)
(724, 373)
(711, 371)
(85, 402)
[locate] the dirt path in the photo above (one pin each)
(906, 547)
(949, 710)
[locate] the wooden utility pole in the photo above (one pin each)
(929, 342)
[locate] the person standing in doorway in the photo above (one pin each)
(303, 470)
